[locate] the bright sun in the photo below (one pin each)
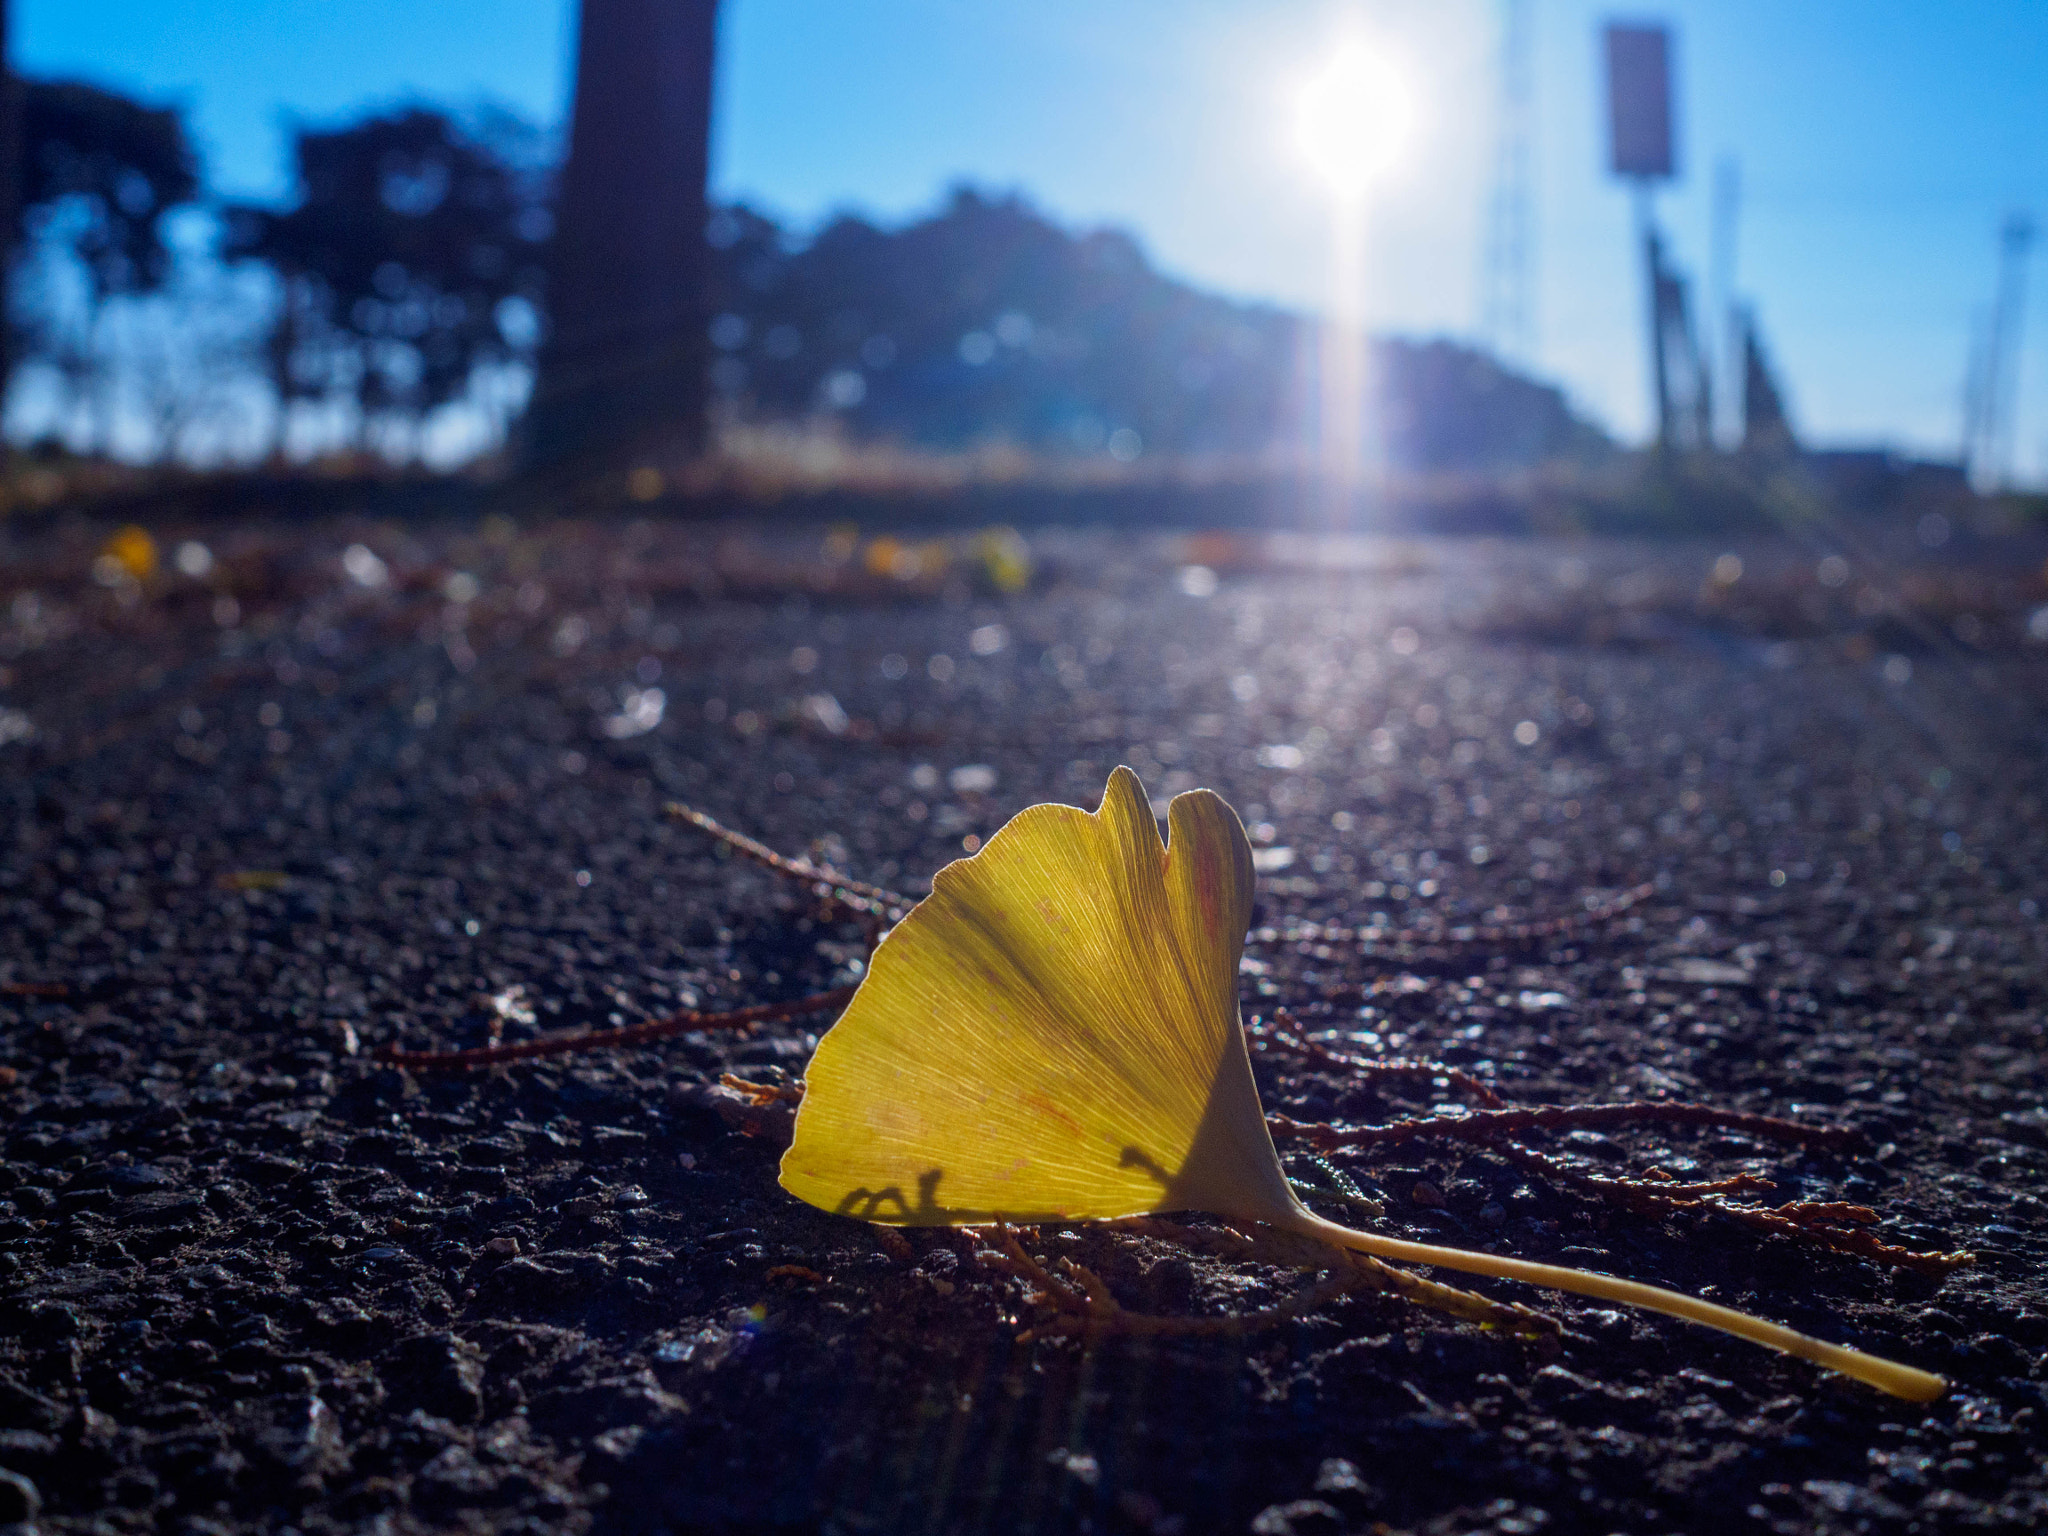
(1351, 119)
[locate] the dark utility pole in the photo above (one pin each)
(10, 188)
(621, 386)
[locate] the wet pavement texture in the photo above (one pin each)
(341, 786)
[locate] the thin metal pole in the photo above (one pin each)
(1653, 283)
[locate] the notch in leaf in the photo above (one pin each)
(1053, 1036)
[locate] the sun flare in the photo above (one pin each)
(1352, 118)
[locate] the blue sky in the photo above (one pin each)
(1879, 143)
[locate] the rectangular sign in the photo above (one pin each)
(1639, 101)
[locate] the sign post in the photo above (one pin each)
(1639, 141)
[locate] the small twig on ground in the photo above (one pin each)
(1833, 1225)
(1285, 1031)
(34, 989)
(1492, 1125)
(686, 1022)
(1500, 935)
(1082, 1303)
(764, 1093)
(1512, 935)
(871, 903)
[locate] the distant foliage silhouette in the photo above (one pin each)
(408, 274)
(98, 173)
(412, 259)
(988, 321)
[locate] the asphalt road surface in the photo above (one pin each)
(308, 791)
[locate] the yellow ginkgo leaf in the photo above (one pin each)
(1053, 1035)
(132, 551)
(986, 1069)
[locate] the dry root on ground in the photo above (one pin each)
(1064, 1297)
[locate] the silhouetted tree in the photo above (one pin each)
(412, 259)
(621, 382)
(97, 174)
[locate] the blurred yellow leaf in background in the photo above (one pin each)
(133, 550)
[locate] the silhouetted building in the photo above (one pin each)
(621, 382)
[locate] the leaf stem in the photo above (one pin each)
(1887, 1375)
